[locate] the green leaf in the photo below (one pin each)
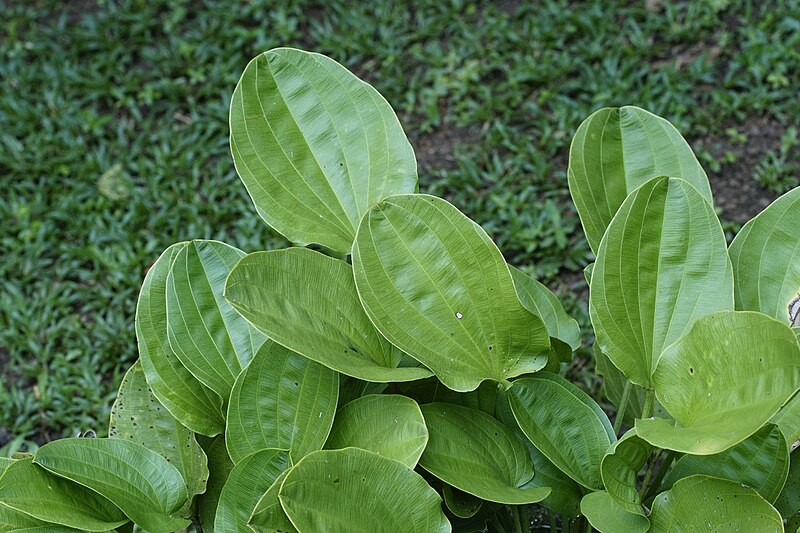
(436, 286)
(766, 259)
(620, 468)
(315, 146)
(788, 502)
(12, 520)
(703, 503)
(307, 302)
(187, 399)
(29, 489)
(460, 503)
(359, 491)
(538, 299)
(246, 484)
(472, 451)
(390, 425)
(205, 332)
(722, 382)
(268, 516)
(281, 400)
(137, 416)
(614, 387)
(606, 515)
(662, 264)
(565, 494)
(147, 488)
(788, 419)
(760, 462)
(564, 423)
(615, 151)
(219, 467)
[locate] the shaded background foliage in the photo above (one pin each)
(114, 143)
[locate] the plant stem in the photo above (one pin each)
(626, 393)
(648, 402)
(665, 464)
(649, 472)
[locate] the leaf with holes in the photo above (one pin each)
(722, 381)
(281, 400)
(436, 286)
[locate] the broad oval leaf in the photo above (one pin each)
(307, 302)
(472, 451)
(435, 285)
(704, 503)
(196, 406)
(766, 260)
(281, 400)
(540, 301)
(615, 151)
(137, 416)
(206, 334)
(389, 425)
(722, 381)
(564, 423)
(31, 490)
(565, 495)
(246, 484)
(662, 264)
(357, 490)
(147, 488)
(620, 468)
(268, 516)
(315, 146)
(606, 515)
(761, 462)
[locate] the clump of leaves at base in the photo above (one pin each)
(391, 372)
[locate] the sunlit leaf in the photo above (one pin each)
(788, 419)
(206, 334)
(315, 146)
(723, 381)
(472, 451)
(436, 286)
(360, 491)
(606, 515)
(540, 301)
(703, 503)
(615, 151)
(389, 425)
(196, 406)
(281, 400)
(564, 423)
(147, 488)
(307, 302)
(662, 264)
(268, 516)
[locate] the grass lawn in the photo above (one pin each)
(114, 143)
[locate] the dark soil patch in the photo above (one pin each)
(437, 149)
(735, 191)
